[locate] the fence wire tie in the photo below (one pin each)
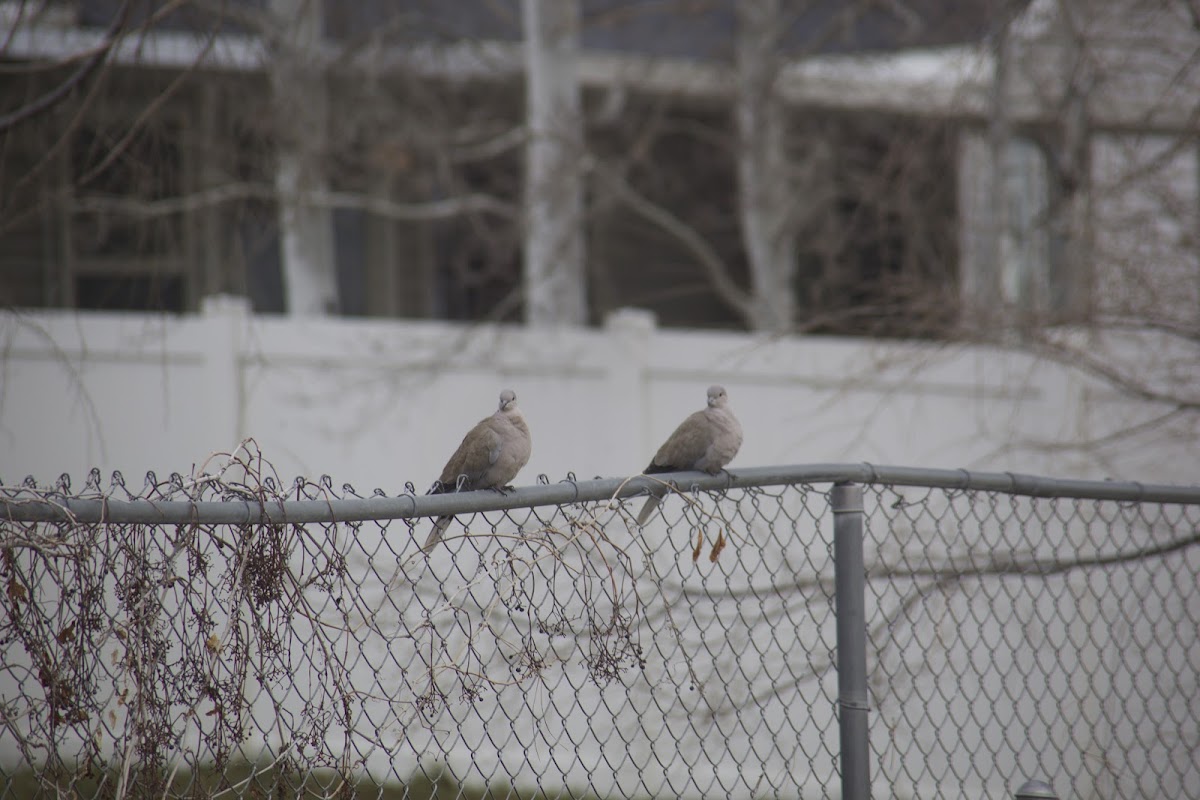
(853, 705)
(1014, 485)
(966, 480)
(574, 484)
(412, 505)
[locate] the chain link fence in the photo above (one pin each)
(226, 634)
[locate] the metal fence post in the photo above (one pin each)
(846, 501)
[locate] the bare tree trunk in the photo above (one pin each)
(1004, 278)
(555, 280)
(1072, 212)
(301, 115)
(765, 201)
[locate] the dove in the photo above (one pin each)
(707, 440)
(490, 456)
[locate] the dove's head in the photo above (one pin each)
(717, 397)
(508, 400)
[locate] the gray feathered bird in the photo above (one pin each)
(707, 440)
(490, 456)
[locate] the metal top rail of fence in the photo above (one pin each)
(904, 631)
(56, 506)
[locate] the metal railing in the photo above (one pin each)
(227, 634)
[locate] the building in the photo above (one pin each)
(160, 185)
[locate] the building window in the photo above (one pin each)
(1015, 243)
(879, 250)
(124, 252)
(92, 214)
(875, 211)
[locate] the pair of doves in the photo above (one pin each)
(493, 452)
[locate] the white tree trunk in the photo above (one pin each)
(766, 205)
(1003, 275)
(555, 280)
(301, 109)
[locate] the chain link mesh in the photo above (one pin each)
(559, 649)
(1059, 635)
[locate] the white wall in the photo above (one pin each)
(379, 403)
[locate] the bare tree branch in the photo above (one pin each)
(708, 258)
(228, 192)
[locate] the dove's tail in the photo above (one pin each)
(648, 509)
(435, 535)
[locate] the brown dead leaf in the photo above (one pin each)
(16, 592)
(699, 546)
(717, 547)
